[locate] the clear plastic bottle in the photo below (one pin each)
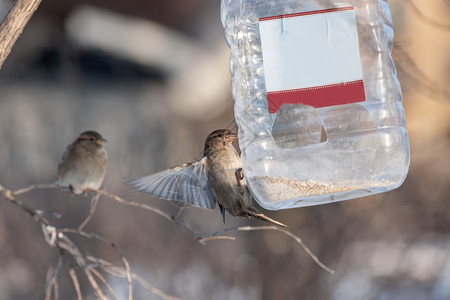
(303, 155)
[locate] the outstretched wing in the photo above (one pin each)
(187, 183)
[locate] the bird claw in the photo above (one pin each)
(239, 176)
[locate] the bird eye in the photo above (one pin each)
(220, 135)
(92, 139)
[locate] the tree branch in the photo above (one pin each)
(105, 283)
(35, 213)
(136, 204)
(216, 236)
(58, 238)
(94, 202)
(52, 282)
(13, 25)
(119, 272)
(76, 283)
(406, 64)
(112, 245)
(423, 17)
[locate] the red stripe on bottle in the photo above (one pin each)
(319, 96)
(314, 12)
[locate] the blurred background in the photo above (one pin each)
(153, 78)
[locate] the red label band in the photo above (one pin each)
(320, 96)
(306, 13)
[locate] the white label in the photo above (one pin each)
(310, 50)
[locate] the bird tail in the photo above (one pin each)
(252, 212)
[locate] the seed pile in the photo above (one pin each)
(276, 188)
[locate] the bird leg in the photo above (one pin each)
(71, 190)
(85, 192)
(175, 217)
(222, 211)
(239, 176)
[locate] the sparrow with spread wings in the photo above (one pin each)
(216, 178)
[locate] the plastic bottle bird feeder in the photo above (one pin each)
(317, 100)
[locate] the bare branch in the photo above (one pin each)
(13, 25)
(105, 283)
(219, 237)
(136, 204)
(52, 282)
(65, 243)
(94, 202)
(187, 226)
(154, 290)
(112, 245)
(94, 284)
(36, 214)
(119, 272)
(50, 234)
(406, 64)
(36, 187)
(57, 238)
(254, 228)
(52, 237)
(423, 17)
(76, 283)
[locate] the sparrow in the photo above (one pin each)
(83, 164)
(216, 178)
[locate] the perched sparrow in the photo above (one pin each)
(217, 177)
(83, 164)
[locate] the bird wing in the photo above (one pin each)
(61, 166)
(187, 183)
(64, 156)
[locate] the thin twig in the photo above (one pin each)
(65, 243)
(52, 283)
(57, 238)
(410, 68)
(36, 187)
(119, 272)
(187, 226)
(172, 219)
(105, 283)
(415, 72)
(219, 237)
(136, 204)
(423, 17)
(179, 212)
(181, 222)
(112, 245)
(94, 202)
(76, 283)
(94, 284)
(13, 25)
(36, 214)
(154, 290)
(254, 228)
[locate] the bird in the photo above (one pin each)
(216, 178)
(83, 164)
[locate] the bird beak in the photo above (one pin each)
(101, 141)
(231, 137)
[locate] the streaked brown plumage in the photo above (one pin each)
(217, 177)
(83, 164)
